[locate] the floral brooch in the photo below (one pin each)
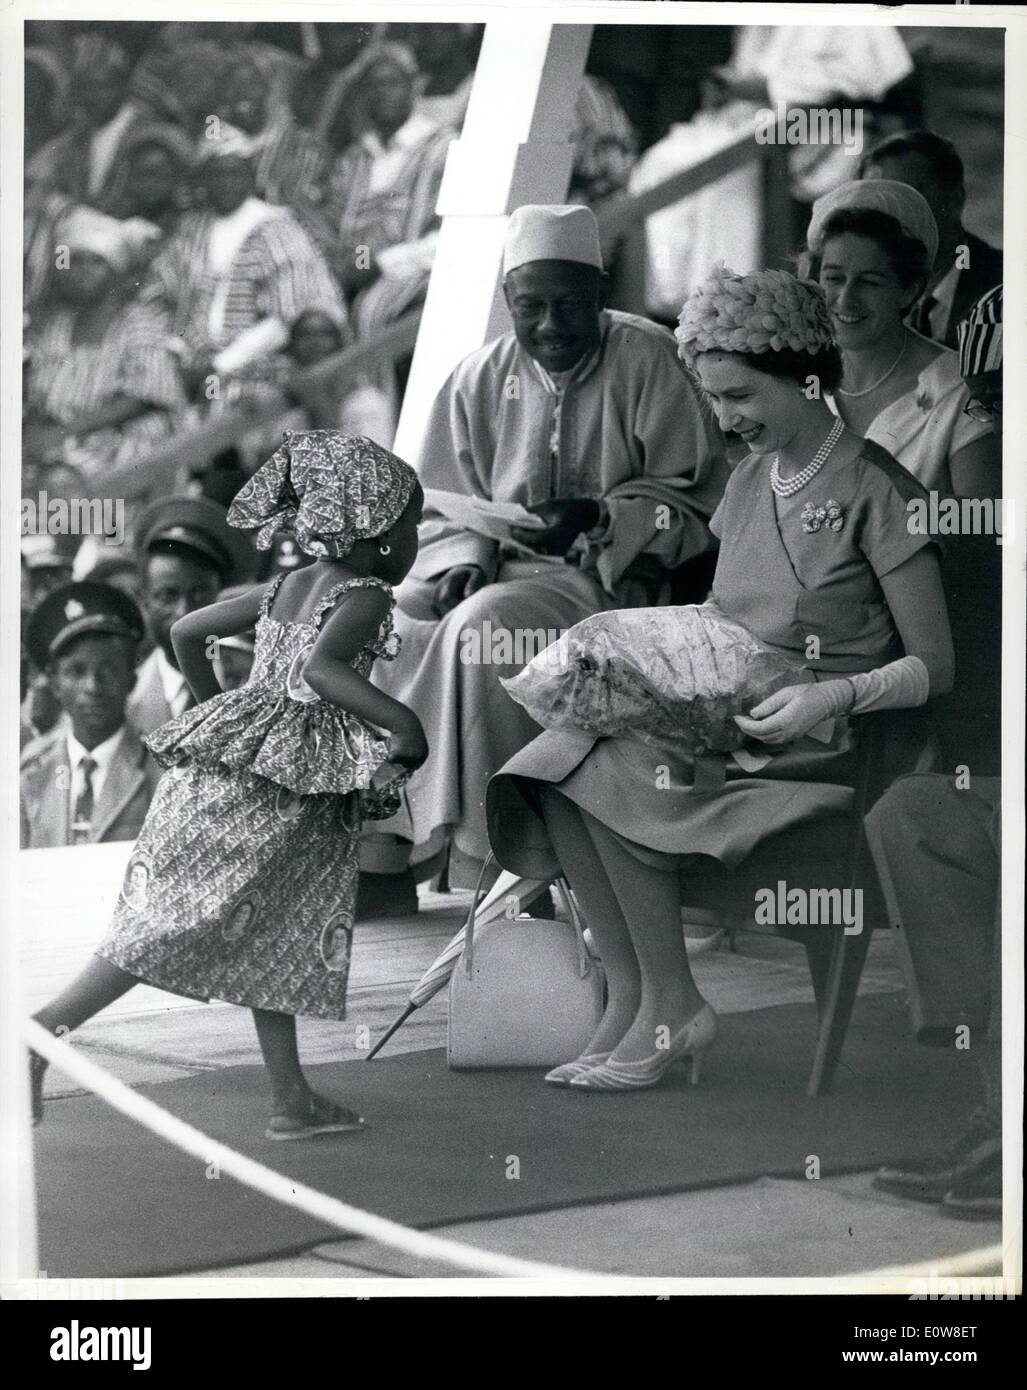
(830, 515)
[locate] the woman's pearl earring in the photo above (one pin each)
(385, 549)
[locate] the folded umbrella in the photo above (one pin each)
(509, 892)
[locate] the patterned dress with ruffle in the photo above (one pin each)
(242, 883)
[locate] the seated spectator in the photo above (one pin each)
(290, 164)
(158, 159)
(92, 779)
(178, 75)
(446, 60)
(383, 190)
(99, 368)
(177, 78)
(362, 409)
(234, 276)
(603, 429)
(871, 246)
(936, 849)
(321, 100)
(188, 554)
(380, 204)
(605, 144)
(84, 160)
(965, 266)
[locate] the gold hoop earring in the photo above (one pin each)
(385, 550)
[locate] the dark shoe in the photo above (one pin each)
(929, 1177)
(37, 1070)
(386, 895)
(978, 1195)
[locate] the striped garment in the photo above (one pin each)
(276, 273)
(400, 214)
(65, 380)
(980, 336)
(291, 170)
(405, 209)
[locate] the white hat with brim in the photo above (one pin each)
(544, 232)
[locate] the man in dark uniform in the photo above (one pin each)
(965, 266)
(188, 554)
(90, 778)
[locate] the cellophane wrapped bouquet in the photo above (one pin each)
(656, 673)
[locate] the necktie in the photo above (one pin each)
(82, 818)
(922, 315)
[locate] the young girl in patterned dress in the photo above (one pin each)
(250, 844)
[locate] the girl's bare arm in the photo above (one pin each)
(193, 637)
(352, 626)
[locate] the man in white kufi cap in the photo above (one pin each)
(584, 416)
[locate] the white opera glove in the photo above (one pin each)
(795, 710)
(902, 684)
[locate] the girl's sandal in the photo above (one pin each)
(324, 1117)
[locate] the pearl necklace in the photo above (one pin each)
(854, 395)
(787, 487)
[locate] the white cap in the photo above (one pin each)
(544, 232)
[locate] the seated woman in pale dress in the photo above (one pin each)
(871, 245)
(818, 562)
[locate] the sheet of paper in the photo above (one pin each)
(492, 519)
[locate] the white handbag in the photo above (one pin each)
(524, 993)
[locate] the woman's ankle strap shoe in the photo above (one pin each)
(692, 1040)
(564, 1075)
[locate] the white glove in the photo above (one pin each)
(902, 684)
(789, 713)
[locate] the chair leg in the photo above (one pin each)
(846, 968)
(819, 950)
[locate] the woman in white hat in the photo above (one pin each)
(871, 245)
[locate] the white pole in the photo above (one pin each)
(514, 149)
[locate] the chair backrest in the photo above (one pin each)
(968, 719)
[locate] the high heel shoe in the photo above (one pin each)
(563, 1075)
(692, 1040)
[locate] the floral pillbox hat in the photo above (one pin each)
(767, 311)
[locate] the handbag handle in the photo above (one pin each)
(564, 889)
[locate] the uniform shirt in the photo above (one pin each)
(102, 755)
(785, 584)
